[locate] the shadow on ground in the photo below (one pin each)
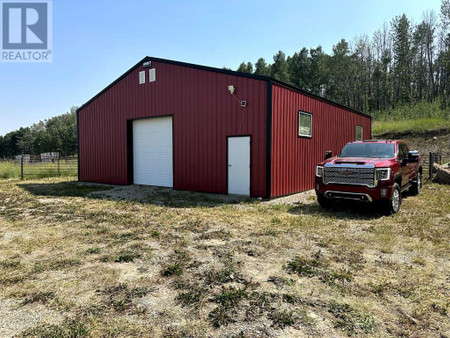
(345, 210)
(187, 199)
(143, 194)
(341, 210)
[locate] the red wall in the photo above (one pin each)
(204, 114)
(294, 158)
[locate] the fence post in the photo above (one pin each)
(59, 173)
(431, 164)
(21, 167)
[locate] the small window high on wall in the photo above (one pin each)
(359, 133)
(304, 124)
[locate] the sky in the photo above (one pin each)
(94, 42)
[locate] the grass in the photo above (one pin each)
(422, 125)
(419, 118)
(9, 170)
(99, 264)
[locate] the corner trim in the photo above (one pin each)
(269, 141)
(78, 143)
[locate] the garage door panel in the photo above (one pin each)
(153, 151)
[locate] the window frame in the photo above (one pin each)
(403, 148)
(362, 132)
(300, 112)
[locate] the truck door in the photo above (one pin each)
(406, 167)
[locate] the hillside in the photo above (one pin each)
(436, 141)
(424, 126)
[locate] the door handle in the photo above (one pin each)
(229, 165)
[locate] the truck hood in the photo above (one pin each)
(376, 162)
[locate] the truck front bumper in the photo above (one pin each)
(354, 192)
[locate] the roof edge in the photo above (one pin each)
(112, 83)
(223, 71)
(334, 103)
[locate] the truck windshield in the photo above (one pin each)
(380, 150)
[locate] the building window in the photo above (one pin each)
(304, 124)
(359, 133)
(142, 77)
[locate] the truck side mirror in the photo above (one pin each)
(328, 154)
(413, 156)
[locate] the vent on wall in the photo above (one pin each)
(142, 77)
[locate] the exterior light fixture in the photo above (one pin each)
(147, 64)
(231, 89)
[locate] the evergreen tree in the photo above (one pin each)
(262, 68)
(280, 69)
(299, 69)
(401, 34)
(245, 67)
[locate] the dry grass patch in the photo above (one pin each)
(143, 261)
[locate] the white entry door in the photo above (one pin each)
(239, 165)
(152, 151)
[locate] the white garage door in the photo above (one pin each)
(152, 151)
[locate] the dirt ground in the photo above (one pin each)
(95, 260)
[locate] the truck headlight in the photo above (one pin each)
(319, 171)
(383, 174)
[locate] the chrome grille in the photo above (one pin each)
(349, 175)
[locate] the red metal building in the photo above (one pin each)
(205, 129)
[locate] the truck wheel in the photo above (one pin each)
(392, 205)
(416, 184)
(324, 202)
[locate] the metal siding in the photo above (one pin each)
(294, 158)
(204, 114)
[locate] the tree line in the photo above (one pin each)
(57, 134)
(402, 63)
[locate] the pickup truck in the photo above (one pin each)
(369, 171)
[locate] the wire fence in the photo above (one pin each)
(428, 169)
(38, 166)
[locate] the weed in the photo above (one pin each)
(335, 278)
(93, 251)
(230, 296)
(350, 320)
(280, 281)
(283, 318)
(155, 234)
(221, 316)
(275, 221)
(223, 276)
(41, 297)
(11, 264)
(174, 269)
(379, 289)
(126, 256)
(228, 299)
(272, 232)
(192, 297)
(305, 267)
(218, 234)
(71, 328)
(120, 297)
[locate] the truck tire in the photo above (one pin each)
(416, 184)
(392, 205)
(324, 202)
